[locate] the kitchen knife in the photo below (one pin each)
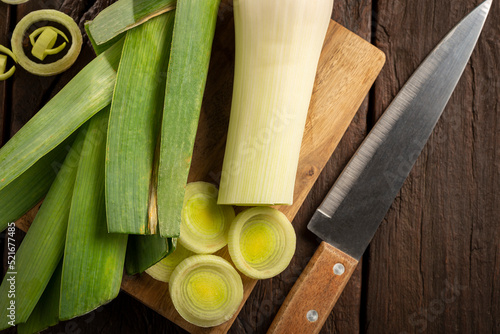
(358, 201)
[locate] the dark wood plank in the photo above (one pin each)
(5, 14)
(433, 265)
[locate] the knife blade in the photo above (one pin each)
(352, 211)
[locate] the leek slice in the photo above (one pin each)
(124, 15)
(14, 2)
(90, 252)
(58, 66)
(43, 246)
(47, 37)
(194, 30)
(3, 63)
(162, 271)
(206, 290)
(261, 242)
(86, 94)
(278, 44)
(204, 223)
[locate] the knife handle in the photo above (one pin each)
(313, 296)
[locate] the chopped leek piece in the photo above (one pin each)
(162, 270)
(143, 251)
(204, 223)
(14, 2)
(3, 63)
(93, 258)
(58, 66)
(42, 47)
(42, 248)
(261, 242)
(124, 15)
(276, 60)
(206, 290)
(194, 30)
(87, 93)
(134, 125)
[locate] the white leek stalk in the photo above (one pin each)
(278, 44)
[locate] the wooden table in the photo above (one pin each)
(434, 264)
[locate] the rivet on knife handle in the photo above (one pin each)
(313, 296)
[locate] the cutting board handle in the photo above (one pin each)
(313, 296)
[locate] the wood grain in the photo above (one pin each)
(428, 264)
(317, 290)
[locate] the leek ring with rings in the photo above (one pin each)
(58, 66)
(204, 223)
(206, 290)
(3, 63)
(261, 242)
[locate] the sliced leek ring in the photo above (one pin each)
(3, 63)
(261, 242)
(14, 2)
(204, 223)
(58, 66)
(47, 37)
(206, 290)
(162, 271)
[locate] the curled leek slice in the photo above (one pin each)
(3, 63)
(206, 290)
(42, 47)
(204, 223)
(162, 271)
(58, 66)
(261, 242)
(14, 2)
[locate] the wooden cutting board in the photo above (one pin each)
(347, 69)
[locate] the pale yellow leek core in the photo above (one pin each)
(162, 271)
(206, 290)
(3, 63)
(204, 223)
(43, 45)
(45, 42)
(261, 242)
(278, 44)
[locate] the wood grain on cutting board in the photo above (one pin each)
(347, 69)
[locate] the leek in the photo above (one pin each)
(93, 258)
(47, 37)
(206, 290)
(14, 2)
(278, 44)
(58, 66)
(261, 242)
(46, 311)
(194, 29)
(205, 224)
(3, 63)
(124, 15)
(143, 251)
(162, 271)
(28, 189)
(134, 125)
(42, 248)
(87, 93)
